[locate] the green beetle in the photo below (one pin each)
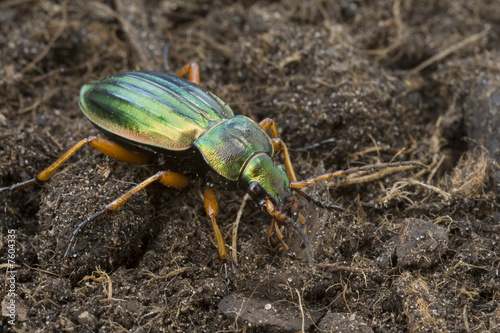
(150, 114)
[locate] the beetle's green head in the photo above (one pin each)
(263, 180)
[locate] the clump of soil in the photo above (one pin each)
(415, 250)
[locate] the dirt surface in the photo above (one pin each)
(415, 251)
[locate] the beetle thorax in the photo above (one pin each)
(229, 144)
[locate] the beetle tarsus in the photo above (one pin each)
(80, 227)
(19, 185)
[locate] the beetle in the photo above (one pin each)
(150, 114)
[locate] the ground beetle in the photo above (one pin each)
(147, 114)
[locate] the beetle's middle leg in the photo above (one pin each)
(105, 146)
(167, 178)
(212, 209)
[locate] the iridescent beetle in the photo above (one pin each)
(147, 114)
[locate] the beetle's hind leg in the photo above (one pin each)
(167, 178)
(192, 69)
(103, 145)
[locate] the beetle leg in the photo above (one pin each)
(269, 124)
(310, 181)
(103, 145)
(275, 230)
(280, 236)
(167, 178)
(280, 217)
(193, 71)
(278, 145)
(270, 232)
(212, 209)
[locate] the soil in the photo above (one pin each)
(416, 250)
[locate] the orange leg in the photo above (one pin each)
(167, 178)
(103, 145)
(280, 236)
(270, 232)
(280, 217)
(278, 145)
(274, 230)
(193, 71)
(212, 209)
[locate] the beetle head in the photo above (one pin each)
(263, 180)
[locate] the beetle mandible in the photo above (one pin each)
(146, 114)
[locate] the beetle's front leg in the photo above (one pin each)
(212, 209)
(279, 216)
(274, 230)
(278, 145)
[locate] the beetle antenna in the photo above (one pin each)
(318, 202)
(294, 224)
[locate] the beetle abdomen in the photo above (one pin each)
(152, 109)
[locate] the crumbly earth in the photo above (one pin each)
(415, 250)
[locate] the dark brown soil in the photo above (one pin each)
(415, 251)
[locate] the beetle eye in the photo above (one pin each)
(257, 193)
